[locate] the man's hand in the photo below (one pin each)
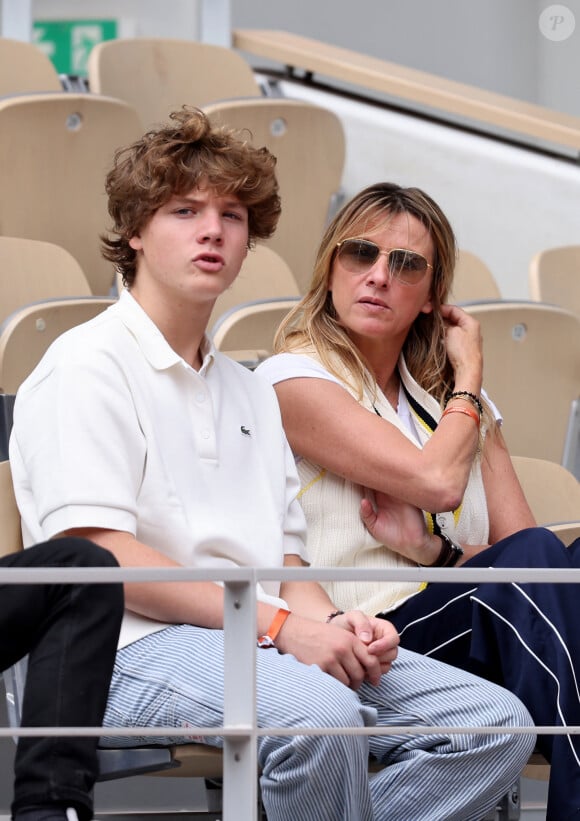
(353, 648)
(379, 636)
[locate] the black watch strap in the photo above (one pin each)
(451, 552)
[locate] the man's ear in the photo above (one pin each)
(135, 243)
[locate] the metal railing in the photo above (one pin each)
(239, 730)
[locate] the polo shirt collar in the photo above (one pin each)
(153, 344)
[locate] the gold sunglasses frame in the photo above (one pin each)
(387, 254)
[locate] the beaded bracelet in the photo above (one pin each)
(470, 397)
(467, 411)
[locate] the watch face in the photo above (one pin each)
(446, 522)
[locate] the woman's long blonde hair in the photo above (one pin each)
(313, 322)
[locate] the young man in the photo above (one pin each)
(70, 633)
(169, 453)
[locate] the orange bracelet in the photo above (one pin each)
(467, 411)
(270, 636)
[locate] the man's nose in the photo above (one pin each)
(210, 226)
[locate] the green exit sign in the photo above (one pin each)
(68, 42)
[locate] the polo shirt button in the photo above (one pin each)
(205, 434)
(200, 398)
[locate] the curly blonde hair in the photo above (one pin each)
(187, 153)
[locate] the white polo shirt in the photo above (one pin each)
(114, 430)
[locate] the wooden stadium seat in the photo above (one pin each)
(246, 332)
(27, 333)
(32, 270)
(55, 150)
(308, 141)
(531, 371)
(553, 494)
(160, 75)
(263, 275)
(472, 279)
(554, 276)
(10, 532)
(25, 68)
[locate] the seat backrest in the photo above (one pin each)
(55, 150)
(159, 75)
(531, 371)
(554, 276)
(553, 493)
(32, 270)
(26, 334)
(25, 68)
(567, 532)
(264, 275)
(473, 280)
(10, 532)
(246, 332)
(308, 141)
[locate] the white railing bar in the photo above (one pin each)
(246, 732)
(98, 575)
(240, 756)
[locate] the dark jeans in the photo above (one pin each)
(70, 633)
(523, 636)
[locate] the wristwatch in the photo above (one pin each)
(451, 552)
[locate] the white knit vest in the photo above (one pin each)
(336, 536)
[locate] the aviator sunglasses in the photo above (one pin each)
(359, 255)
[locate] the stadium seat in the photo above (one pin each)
(246, 332)
(25, 68)
(10, 534)
(473, 280)
(55, 150)
(553, 494)
(531, 371)
(160, 75)
(554, 276)
(27, 333)
(32, 270)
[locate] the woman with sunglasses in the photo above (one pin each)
(402, 462)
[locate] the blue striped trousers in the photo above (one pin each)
(522, 636)
(175, 678)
